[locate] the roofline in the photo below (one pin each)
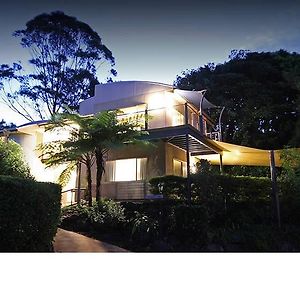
(39, 122)
(143, 81)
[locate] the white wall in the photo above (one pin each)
(29, 144)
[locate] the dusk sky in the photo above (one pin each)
(157, 40)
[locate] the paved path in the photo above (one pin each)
(68, 241)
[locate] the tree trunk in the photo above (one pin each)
(89, 181)
(100, 169)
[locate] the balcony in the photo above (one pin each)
(168, 116)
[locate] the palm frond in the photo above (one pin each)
(66, 174)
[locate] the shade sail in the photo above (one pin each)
(195, 98)
(240, 155)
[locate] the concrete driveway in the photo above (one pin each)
(68, 241)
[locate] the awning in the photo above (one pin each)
(195, 98)
(240, 155)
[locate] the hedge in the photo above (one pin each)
(228, 199)
(29, 214)
(214, 187)
(243, 198)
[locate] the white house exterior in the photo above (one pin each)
(173, 120)
(179, 128)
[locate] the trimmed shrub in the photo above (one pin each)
(29, 214)
(228, 200)
(173, 187)
(211, 187)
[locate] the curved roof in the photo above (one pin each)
(121, 94)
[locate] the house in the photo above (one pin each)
(178, 125)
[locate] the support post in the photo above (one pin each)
(201, 127)
(274, 188)
(188, 169)
(221, 164)
(186, 114)
(146, 118)
(78, 183)
(220, 124)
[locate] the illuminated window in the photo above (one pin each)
(179, 168)
(126, 169)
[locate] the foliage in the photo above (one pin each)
(4, 125)
(261, 94)
(29, 214)
(253, 171)
(103, 215)
(65, 57)
(189, 225)
(212, 187)
(203, 166)
(144, 228)
(12, 161)
(244, 224)
(291, 165)
(289, 182)
(173, 187)
(165, 225)
(230, 188)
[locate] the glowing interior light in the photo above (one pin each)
(161, 100)
(155, 101)
(125, 169)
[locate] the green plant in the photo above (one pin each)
(107, 212)
(75, 217)
(170, 186)
(144, 228)
(214, 188)
(188, 224)
(103, 215)
(12, 160)
(29, 214)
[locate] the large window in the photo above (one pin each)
(126, 169)
(179, 167)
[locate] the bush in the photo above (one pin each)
(12, 160)
(289, 186)
(166, 225)
(211, 187)
(188, 225)
(144, 229)
(102, 216)
(29, 214)
(228, 201)
(173, 187)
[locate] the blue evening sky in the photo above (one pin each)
(157, 40)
